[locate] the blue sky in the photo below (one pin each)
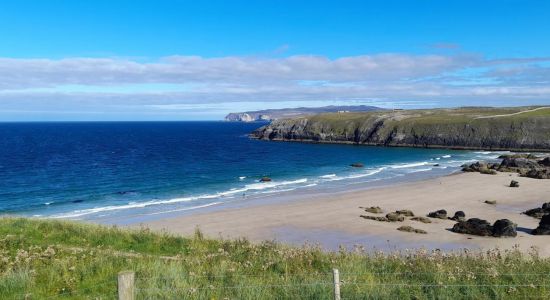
(171, 60)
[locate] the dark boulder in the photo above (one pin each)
(459, 216)
(440, 214)
(357, 165)
(265, 179)
(504, 228)
(539, 212)
(544, 226)
(474, 226)
(545, 162)
(514, 183)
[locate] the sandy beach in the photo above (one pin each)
(334, 219)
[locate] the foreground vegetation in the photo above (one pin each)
(54, 259)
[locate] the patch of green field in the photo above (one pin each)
(44, 258)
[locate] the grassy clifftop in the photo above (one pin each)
(519, 128)
(42, 259)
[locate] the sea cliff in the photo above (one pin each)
(518, 128)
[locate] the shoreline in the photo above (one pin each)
(332, 219)
(416, 146)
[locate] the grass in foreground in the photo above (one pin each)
(53, 259)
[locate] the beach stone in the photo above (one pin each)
(459, 216)
(411, 229)
(379, 219)
(544, 226)
(504, 228)
(514, 183)
(405, 212)
(439, 214)
(395, 217)
(374, 210)
(421, 219)
(265, 179)
(357, 165)
(473, 226)
(491, 202)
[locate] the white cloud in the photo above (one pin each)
(105, 84)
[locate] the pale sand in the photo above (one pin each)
(335, 217)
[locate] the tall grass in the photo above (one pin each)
(41, 259)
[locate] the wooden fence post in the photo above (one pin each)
(336, 277)
(126, 285)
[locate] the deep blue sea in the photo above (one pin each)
(100, 170)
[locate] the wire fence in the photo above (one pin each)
(333, 285)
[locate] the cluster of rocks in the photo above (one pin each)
(527, 165)
(475, 226)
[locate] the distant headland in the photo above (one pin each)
(276, 114)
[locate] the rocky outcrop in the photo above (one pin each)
(464, 128)
(475, 226)
(527, 165)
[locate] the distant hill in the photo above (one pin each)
(275, 114)
(514, 128)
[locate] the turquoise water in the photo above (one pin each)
(100, 170)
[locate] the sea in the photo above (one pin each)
(115, 171)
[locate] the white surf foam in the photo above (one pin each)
(185, 209)
(328, 176)
(411, 165)
(131, 205)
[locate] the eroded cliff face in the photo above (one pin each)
(473, 128)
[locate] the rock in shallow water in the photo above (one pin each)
(514, 183)
(539, 212)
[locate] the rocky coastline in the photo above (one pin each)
(514, 129)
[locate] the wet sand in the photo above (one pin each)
(333, 219)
